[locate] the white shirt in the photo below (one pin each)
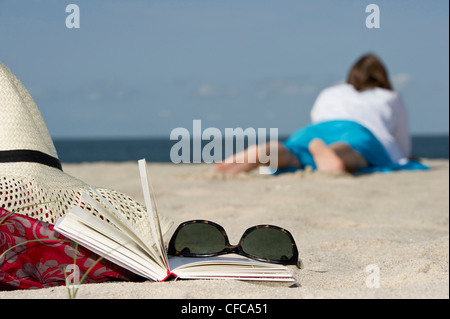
(380, 110)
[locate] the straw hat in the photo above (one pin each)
(30, 171)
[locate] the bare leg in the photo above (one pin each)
(338, 157)
(249, 159)
(239, 162)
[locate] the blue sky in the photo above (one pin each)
(142, 68)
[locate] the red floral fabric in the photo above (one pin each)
(42, 264)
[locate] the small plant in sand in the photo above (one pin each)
(73, 281)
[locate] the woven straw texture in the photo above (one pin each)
(22, 125)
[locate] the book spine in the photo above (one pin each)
(168, 276)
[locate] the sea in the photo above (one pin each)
(157, 149)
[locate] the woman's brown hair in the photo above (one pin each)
(368, 72)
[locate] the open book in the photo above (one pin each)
(137, 243)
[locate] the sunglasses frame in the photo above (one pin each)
(234, 249)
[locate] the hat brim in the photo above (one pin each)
(47, 193)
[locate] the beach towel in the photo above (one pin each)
(351, 133)
(42, 264)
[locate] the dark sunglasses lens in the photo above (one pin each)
(199, 239)
(268, 243)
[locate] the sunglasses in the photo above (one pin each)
(202, 238)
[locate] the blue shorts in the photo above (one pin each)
(351, 133)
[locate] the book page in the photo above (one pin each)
(116, 246)
(116, 219)
(134, 218)
(152, 211)
(228, 267)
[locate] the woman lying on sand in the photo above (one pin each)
(361, 125)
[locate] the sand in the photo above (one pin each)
(370, 236)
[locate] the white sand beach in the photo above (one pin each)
(347, 229)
